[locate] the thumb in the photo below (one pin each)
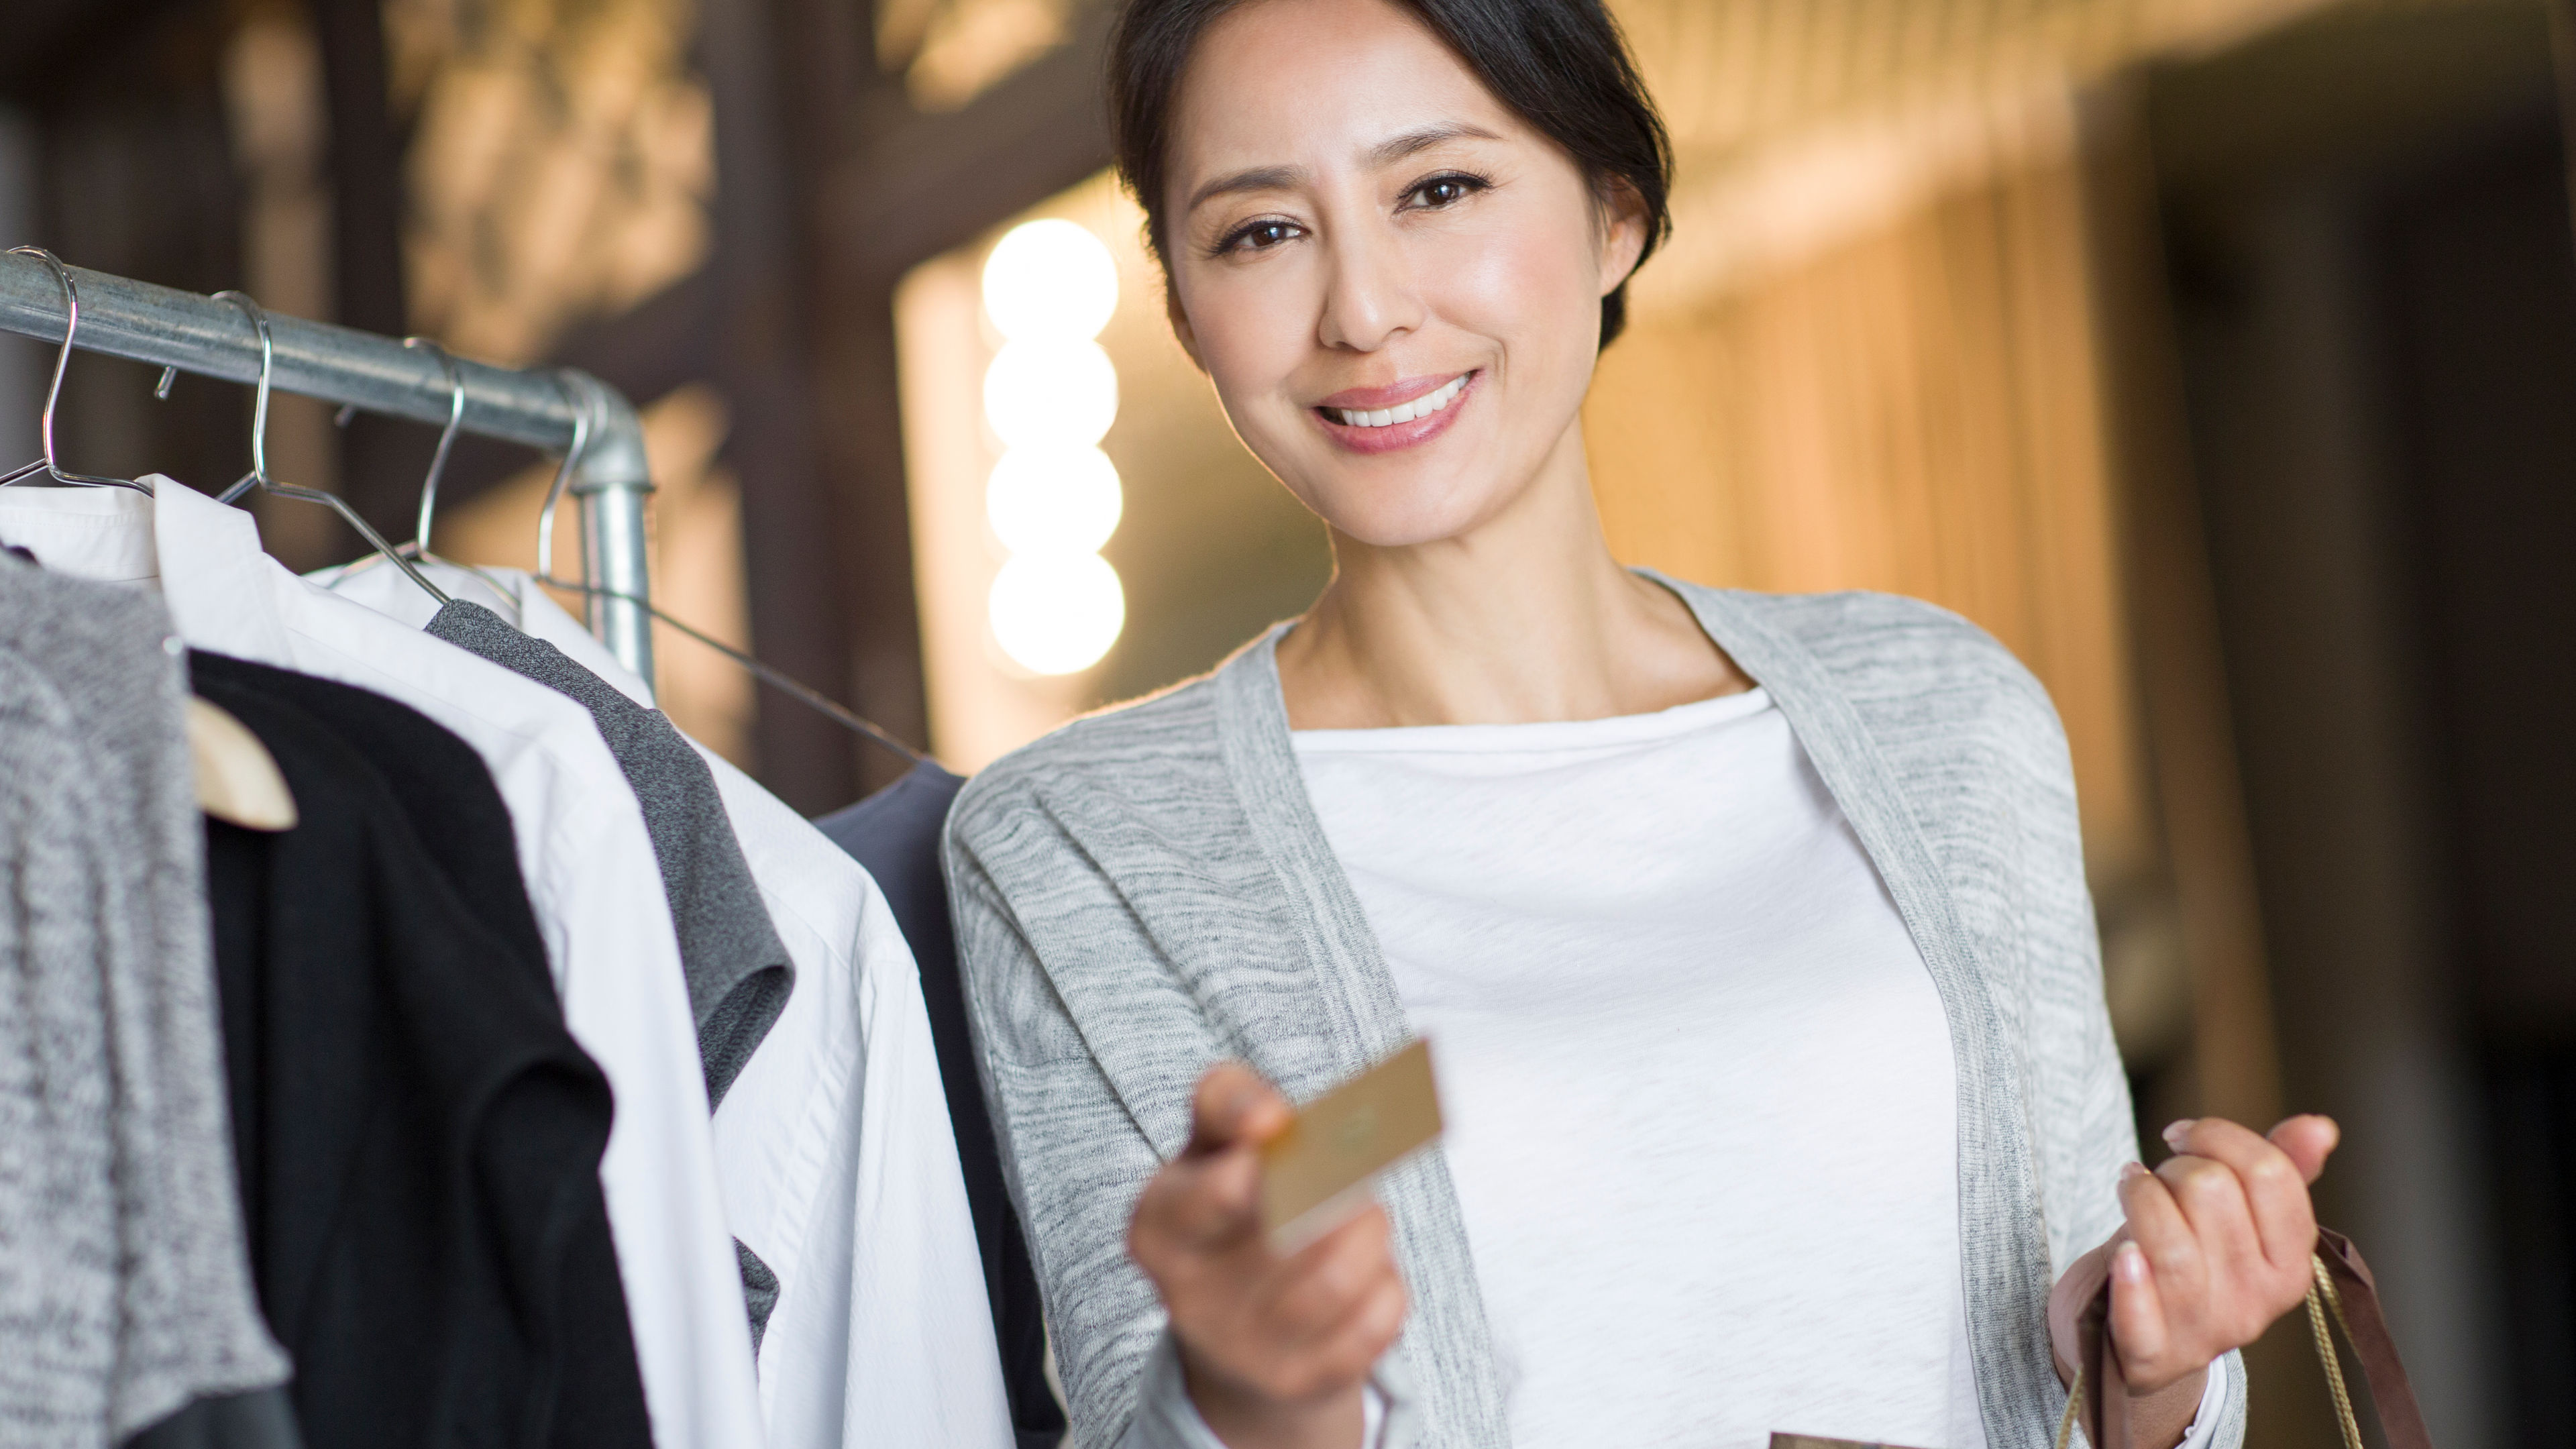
(1235, 1106)
(2308, 1140)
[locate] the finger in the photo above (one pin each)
(2274, 1192)
(1201, 1202)
(1234, 1104)
(1316, 1289)
(2212, 1200)
(2139, 1327)
(1355, 1344)
(2308, 1139)
(2158, 1227)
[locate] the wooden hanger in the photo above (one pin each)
(238, 781)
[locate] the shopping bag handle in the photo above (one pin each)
(2342, 1290)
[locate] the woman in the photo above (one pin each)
(1750, 933)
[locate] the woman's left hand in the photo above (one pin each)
(2217, 1244)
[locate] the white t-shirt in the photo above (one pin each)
(1701, 1101)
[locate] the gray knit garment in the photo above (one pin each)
(125, 1285)
(1147, 891)
(738, 970)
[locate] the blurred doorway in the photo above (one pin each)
(2365, 224)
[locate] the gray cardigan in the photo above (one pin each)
(1147, 891)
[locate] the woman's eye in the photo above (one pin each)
(1442, 191)
(1260, 236)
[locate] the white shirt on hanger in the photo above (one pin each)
(837, 1159)
(591, 876)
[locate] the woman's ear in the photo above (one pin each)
(1623, 238)
(1180, 320)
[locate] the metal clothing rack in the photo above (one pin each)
(210, 337)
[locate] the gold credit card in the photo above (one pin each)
(1313, 1173)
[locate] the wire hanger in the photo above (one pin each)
(418, 548)
(237, 779)
(53, 394)
(419, 545)
(794, 688)
(258, 477)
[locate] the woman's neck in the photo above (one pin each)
(1525, 618)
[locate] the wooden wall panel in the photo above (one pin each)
(1916, 410)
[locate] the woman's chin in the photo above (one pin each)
(1383, 522)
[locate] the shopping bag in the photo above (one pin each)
(2342, 1291)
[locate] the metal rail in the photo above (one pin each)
(166, 327)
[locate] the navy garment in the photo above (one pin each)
(418, 1135)
(895, 834)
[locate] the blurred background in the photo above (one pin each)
(2219, 356)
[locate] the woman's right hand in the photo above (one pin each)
(1275, 1348)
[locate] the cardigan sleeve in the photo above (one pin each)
(2083, 1127)
(1074, 1158)
(1075, 1155)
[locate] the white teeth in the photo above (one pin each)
(1421, 407)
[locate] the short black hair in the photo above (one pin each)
(1560, 65)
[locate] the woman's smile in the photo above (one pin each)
(1400, 415)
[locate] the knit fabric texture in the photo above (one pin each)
(737, 968)
(125, 1288)
(1147, 891)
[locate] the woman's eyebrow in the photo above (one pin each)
(1258, 178)
(1396, 148)
(1384, 153)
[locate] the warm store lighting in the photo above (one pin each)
(1049, 279)
(1053, 498)
(1055, 613)
(1056, 392)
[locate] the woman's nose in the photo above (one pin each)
(1369, 295)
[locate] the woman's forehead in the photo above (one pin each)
(1316, 84)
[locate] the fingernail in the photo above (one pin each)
(2129, 1170)
(2129, 1263)
(2176, 1134)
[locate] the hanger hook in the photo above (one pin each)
(581, 401)
(446, 436)
(62, 365)
(258, 474)
(258, 477)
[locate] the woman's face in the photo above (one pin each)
(1394, 283)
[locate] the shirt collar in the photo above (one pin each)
(89, 533)
(221, 587)
(508, 592)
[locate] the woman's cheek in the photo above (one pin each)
(1251, 339)
(1522, 281)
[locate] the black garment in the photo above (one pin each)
(259, 1419)
(446, 794)
(895, 834)
(419, 1137)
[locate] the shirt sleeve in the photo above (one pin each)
(2204, 1430)
(1167, 1419)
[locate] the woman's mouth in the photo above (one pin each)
(1417, 419)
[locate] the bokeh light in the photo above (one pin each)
(1051, 394)
(1050, 280)
(1053, 500)
(1055, 613)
